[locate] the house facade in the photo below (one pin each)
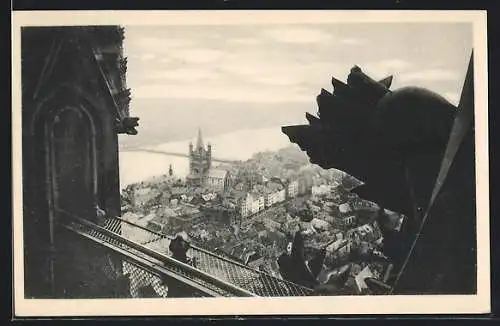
(292, 188)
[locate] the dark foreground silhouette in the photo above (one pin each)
(396, 142)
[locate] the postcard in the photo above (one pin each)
(250, 163)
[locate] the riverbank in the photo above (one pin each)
(240, 145)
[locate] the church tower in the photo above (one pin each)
(200, 161)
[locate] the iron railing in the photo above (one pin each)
(148, 261)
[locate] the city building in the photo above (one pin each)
(257, 198)
(275, 193)
(217, 212)
(331, 208)
(170, 178)
(253, 203)
(245, 206)
(201, 173)
(217, 180)
(321, 190)
(235, 221)
(257, 263)
(348, 220)
(200, 161)
(187, 198)
(360, 204)
(159, 222)
(142, 196)
(360, 279)
(242, 253)
(367, 232)
(178, 191)
(340, 195)
(208, 197)
(345, 208)
(339, 248)
(292, 188)
(271, 224)
(305, 183)
(319, 224)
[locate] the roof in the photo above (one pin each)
(360, 278)
(178, 190)
(319, 223)
(248, 255)
(236, 194)
(169, 212)
(185, 209)
(240, 186)
(273, 186)
(271, 223)
(217, 173)
(322, 186)
(338, 244)
(239, 251)
(345, 208)
(208, 196)
(274, 265)
(278, 180)
(366, 228)
(258, 190)
(361, 204)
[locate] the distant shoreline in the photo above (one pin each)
(124, 146)
(237, 145)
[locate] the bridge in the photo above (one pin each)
(156, 151)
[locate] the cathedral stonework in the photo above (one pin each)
(200, 161)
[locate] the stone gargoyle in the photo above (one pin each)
(397, 142)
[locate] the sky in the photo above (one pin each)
(261, 72)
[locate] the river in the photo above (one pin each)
(240, 145)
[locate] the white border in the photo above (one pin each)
(435, 304)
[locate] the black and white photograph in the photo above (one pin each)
(198, 162)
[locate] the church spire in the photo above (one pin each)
(199, 141)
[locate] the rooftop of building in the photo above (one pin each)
(178, 190)
(345, 208)
(159, 219)
(273, 186)
(258, 190)
(236, 194)
(217, 173)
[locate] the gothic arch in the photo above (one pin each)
(66, 100)
(85, 118)
(66, 104)
(63, 94)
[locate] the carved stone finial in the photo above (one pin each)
(127, 125)
(387, 81)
